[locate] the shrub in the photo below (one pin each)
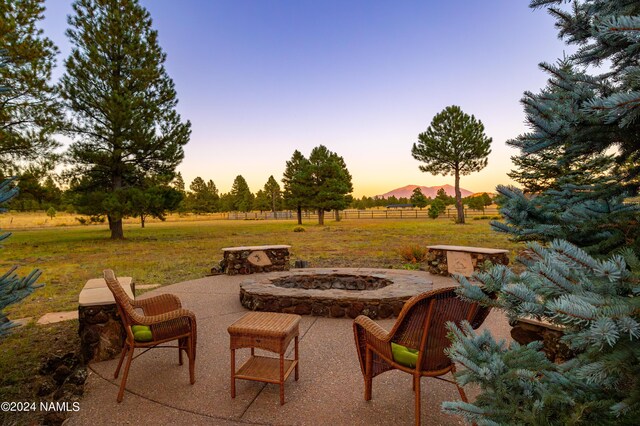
(413, 253)
(96, 219)
(51, 212)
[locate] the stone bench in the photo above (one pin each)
(527, 330)
(445, 259)
(253, 259)
(101, 332)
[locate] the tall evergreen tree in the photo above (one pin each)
(203, 196)
(123, 105)
(178, 183)
(153, 200)
(242, 196)
(29, 110)
(453, 143)
(581, 287)
(262, 201)
(580, 194)
(330, 182)
(273, 193)
(297, 184)
(418, 199)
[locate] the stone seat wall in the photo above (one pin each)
(464, 260)
(254, 259)
(101, 332)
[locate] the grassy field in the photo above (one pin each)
(166, 253)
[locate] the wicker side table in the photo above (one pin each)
(269, 331)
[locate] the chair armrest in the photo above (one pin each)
(376, 336)
(158, 304)
(165, 317)
(372, 328)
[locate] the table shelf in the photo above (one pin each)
(265, 369)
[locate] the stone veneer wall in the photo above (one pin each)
(237, 261)
(101, 332)
(340, 292)
(437, 260)
(302, 305)
(527, 331)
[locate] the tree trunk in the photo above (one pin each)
(116, 228)
(320, 216)
(337, 215)
(142, 219)
(117, 233)
(459, 205)
(299, 215)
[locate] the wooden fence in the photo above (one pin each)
(361, 214)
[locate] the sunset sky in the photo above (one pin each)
(259, 79)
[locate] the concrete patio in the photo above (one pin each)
(329, 392)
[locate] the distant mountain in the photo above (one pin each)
(428, 191)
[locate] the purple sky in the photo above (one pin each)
(259, 79)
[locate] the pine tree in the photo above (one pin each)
(476, 203)
(13, 288)
(273, 193)
(204, 197)
(262, 201)
(418, 198)
(178, 183)
(153, 198)
(330, 182)
(123, 105)
(586, 282)
(29, 110)
(297, 183)
(242, 196)
(453, 143)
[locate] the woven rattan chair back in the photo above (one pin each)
(166, 319)
(421, 325)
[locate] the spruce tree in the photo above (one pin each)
(12, 287)
(297, 184)
(453, 143)
(29, 110)
(122, 103)
(587, 285)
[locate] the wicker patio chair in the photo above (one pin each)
(162, 320)
(419, 327)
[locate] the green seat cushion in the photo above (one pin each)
(403, 355)
(141, 333)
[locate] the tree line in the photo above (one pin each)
(200, 197)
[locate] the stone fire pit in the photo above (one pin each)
(376, 293)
